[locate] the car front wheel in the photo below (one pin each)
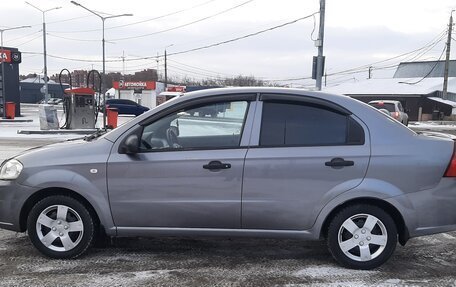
(362, 236)
(61, 227)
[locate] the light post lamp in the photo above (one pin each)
(3, 65)
(46, 93)
(103, 19)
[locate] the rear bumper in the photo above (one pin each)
(12, 199)
(429, 211)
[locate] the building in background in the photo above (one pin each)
(31, 90)
(417, 85)
(142, 92)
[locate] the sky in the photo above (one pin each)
(358, 34)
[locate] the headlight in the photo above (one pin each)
(11, 169)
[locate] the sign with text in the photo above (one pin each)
(10, 57)
(5, 56)
(180, 89)
(124, 85)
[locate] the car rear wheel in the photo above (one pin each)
(61, 227)
(362, 236)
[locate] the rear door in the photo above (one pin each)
(307, 152)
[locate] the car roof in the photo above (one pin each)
(354, 105)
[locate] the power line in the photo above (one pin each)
(25, 36)
(61, 21)
(72, 39)
(435, 65)
(142, 21)
(185, 51)
(187, 24)
(361, 69)
(242, 37)
(200, 69)
(389, 59)
(161, 31)
(26, 42)
(193, 72)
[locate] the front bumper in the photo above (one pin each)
(12, 198)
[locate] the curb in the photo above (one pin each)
(55, 132)
(15, 121)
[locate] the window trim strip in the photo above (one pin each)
(304, 99)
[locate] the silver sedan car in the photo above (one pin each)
(268, 162)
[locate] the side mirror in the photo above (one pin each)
(131, 145)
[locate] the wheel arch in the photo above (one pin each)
(51, 191)
(389, 208)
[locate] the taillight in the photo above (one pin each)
(396, 115)
(451, 169)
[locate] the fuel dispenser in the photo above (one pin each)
(79, 105)
(82, 108)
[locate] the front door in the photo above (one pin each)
(188, 173)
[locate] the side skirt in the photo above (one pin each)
(218, 232)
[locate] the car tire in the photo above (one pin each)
(362, 236)
(61, 227)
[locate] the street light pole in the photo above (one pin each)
(2, 52)
(46, 91)
(103, 19)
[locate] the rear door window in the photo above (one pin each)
(300, 124)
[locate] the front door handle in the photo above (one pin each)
(338, 162)
(216, 165)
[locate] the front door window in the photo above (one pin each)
(215, 125)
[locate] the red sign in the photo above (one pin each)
(180, 89)
(5, 56)
(121, 85)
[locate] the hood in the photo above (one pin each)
(66, 153)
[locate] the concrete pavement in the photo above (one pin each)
(425, 261)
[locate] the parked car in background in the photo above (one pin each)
(281, 163)
(126, 107)
(394, 108)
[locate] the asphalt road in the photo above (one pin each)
(426, 261)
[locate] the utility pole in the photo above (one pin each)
(447, 59)
(158, 64)
(166, 66)
(166, 72)
(319, 44)
(123, 63)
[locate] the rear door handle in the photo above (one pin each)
(338, 162)
(216, 165)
